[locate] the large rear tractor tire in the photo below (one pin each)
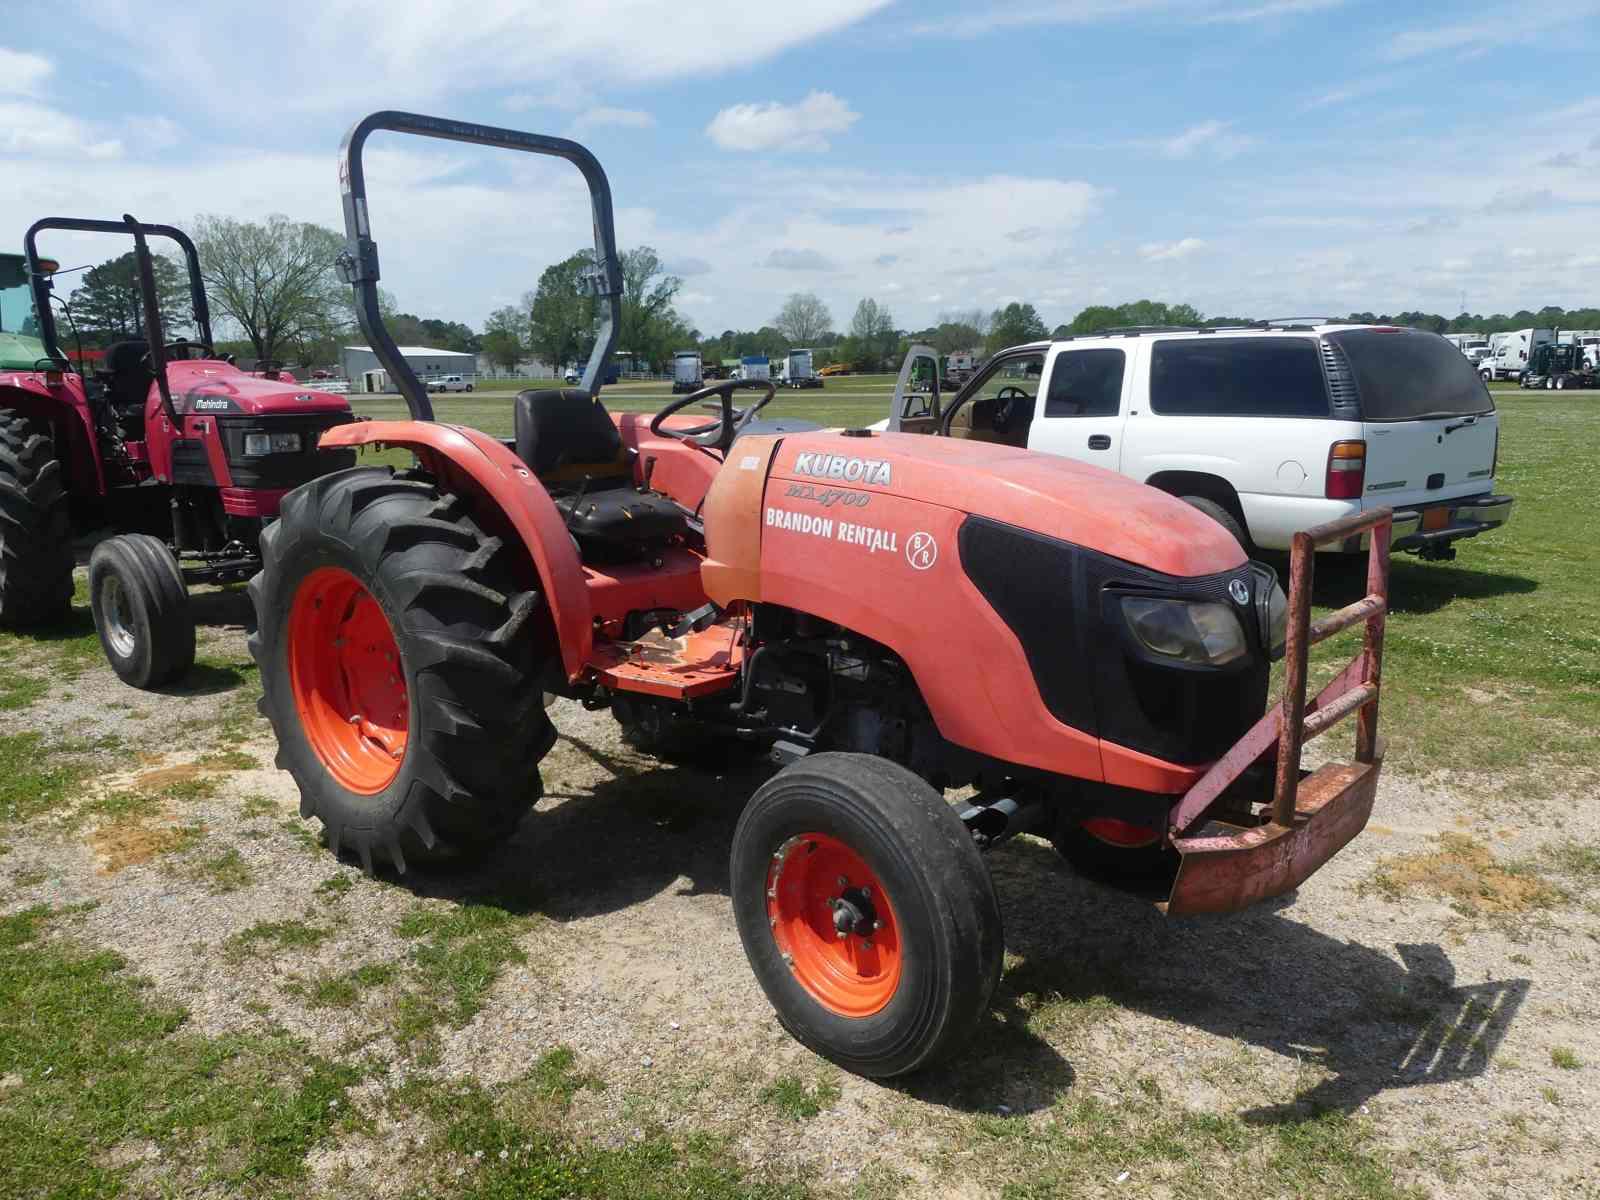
(866, 911)
(35, 528)
(401, 668)
(141, 610)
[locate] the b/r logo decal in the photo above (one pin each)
(922, 551)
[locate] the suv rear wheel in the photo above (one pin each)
(1222, 516)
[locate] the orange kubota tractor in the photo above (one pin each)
(896, 616)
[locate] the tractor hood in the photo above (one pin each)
(1070, 501)
(211, 386)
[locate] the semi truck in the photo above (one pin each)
(687, 371)
(797, 371)
(1509, 353)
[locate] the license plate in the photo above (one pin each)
(1435, 518)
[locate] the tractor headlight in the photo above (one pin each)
(258, 444)
(1204, 634)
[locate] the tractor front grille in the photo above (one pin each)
(278, 471)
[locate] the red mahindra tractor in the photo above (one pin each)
(894, 615)
(184, 456)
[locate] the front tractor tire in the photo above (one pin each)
(401, 665)
(866, 911)
(35, 528)
(141, 610)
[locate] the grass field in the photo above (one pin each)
(197, 999)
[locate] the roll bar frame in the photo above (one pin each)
(358, 261)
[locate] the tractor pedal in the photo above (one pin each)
(694, 622)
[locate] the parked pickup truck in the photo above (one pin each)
(1268, 429)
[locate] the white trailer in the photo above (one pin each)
(797, 371)
(754, 366)
(1508, 352)
(688, 372)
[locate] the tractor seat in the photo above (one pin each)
(566, 434)
(127, 378)
(567, 439)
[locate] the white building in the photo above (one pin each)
(366, 373)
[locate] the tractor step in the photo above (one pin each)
(700, 663)
(1227, 867)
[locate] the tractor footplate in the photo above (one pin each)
(1227, 867)
(674, 668)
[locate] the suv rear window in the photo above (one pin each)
(1406, 374)
(1238, 377)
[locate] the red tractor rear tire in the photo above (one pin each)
(866, 911)
(401, 668)
(35, 529)
(141, 610)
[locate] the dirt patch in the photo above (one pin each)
(166, 777)
(130, 841)
(1465, 871)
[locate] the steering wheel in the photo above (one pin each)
(178, 350)
(1005, 407)
(717, 434)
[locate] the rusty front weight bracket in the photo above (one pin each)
(1229, 866)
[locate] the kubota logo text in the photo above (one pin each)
(837, 466)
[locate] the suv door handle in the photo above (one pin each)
(1099, 441)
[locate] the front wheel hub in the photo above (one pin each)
(834, 924)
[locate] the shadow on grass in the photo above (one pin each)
(1414, 586)
(1081, 952)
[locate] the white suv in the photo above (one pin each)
(1270, 429)
(449, 383)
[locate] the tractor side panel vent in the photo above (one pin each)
(1341, 382)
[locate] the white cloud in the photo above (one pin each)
(21, 73)
(1089, 12)
(1508, 25)
(33, 129)
(625, 118)
(802, 126)
(1171, 251)
(1214, 137)
(363, 54)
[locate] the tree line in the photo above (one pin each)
(274, 283)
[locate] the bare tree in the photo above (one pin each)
(804, 319)
(275, 280)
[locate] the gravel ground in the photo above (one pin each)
(1436, 1019)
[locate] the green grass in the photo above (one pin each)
(459, 954)
(790, 1096)
(34, 779)
(224, 872)
(343, 991)
(1565, 1058)
(270, 936)
(104, 1063)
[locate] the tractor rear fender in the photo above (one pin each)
(506, 498)
(65, 406)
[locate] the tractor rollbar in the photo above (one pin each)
(41, 284)
(153, 332)
(358, 262)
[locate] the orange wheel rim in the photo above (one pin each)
(834, 924)
(1124, 835)
(348, 680)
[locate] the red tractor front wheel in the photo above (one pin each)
(866, 911)
(401, 668)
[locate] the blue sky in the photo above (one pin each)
(1263, 157)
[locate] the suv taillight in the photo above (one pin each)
(1347, 470)
(1494, 463)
